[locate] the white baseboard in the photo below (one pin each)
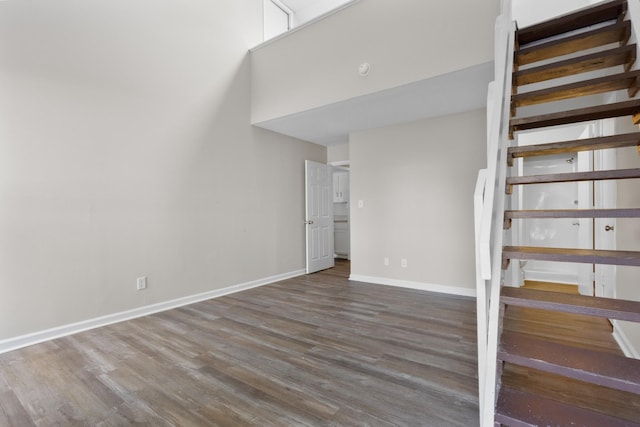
(443, 289)
(61, 331)
(623, 341)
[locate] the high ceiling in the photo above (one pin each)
(452, 93)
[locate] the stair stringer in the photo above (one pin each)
(492, 233)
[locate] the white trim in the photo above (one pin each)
(286, 10)
(341, 163)
(624, 342)
(430, 287)
(85, 325)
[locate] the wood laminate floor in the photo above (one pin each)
(314, 350)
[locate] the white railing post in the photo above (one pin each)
(481, 284)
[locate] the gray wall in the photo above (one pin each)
(126, 150)
(338, 153)
(416, 182)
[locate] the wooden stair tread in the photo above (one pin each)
(600, 143)
(517, 408)
(617, 32)
(573, 90)
(581, 64)
(510, 215)
(581, 18)
(569, 303)
(607, 111)
(572, 177)
(586, 256)
(574, 213)
(605, 369)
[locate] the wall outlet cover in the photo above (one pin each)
(141, 283)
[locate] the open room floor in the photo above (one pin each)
(312, 350)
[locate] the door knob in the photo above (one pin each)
(309, 222)
(608, 228)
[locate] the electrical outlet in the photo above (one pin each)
(403, 263)
(360, 204)
(386, 261)
(141, 283)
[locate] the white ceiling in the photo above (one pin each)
(456, 92)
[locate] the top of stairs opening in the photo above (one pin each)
(600, 36)
(579, 19)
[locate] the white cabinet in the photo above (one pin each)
(341, 239)
(340, 187)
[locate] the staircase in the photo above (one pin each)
(584, 55)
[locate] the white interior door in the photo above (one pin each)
(319, 216)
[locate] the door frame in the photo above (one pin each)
(605, 197)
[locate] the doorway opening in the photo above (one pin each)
(583, 233)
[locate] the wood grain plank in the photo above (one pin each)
(619, 109)
(575, 20)
(604, 369)
(617, 32)
(518, 408)
(594, 86)
(582, 64)
(602, 400)
(592, 306)
(312, 350)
